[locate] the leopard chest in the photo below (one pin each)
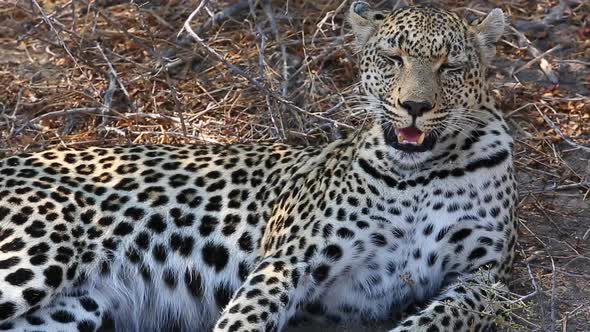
(408, 244)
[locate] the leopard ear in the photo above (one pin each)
(364, 20)
(488, 32)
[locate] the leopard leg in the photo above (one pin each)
(267, 299)
(470, 304)
(76, 313)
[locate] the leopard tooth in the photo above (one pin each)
(401, 138)
(421, 139)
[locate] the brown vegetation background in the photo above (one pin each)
(105, 72)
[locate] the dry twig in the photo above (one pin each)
(187, 27)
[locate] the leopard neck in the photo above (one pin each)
(485, 142)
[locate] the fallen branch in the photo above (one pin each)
(537, 59)
(45, 19)
(223, 15)
(262, 73)
(558, 131)
(108, 112)
(267, 7)
(581, 185)
(73, 111)
(126, 132)
(236, 70)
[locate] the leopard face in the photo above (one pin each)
(423, 72)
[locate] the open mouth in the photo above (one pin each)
(409, 139)
(410, 135)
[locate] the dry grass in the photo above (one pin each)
(112, 72)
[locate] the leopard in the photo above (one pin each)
(409, 219)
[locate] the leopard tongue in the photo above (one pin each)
(411, 135)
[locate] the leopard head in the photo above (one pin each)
(423, 70)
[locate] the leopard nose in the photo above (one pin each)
(416, 108)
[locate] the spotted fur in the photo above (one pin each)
(248, 237)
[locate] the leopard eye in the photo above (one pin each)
(450, 68)
(394, 59)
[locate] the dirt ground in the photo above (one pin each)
(108, 72)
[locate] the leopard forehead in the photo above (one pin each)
(424, 32)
